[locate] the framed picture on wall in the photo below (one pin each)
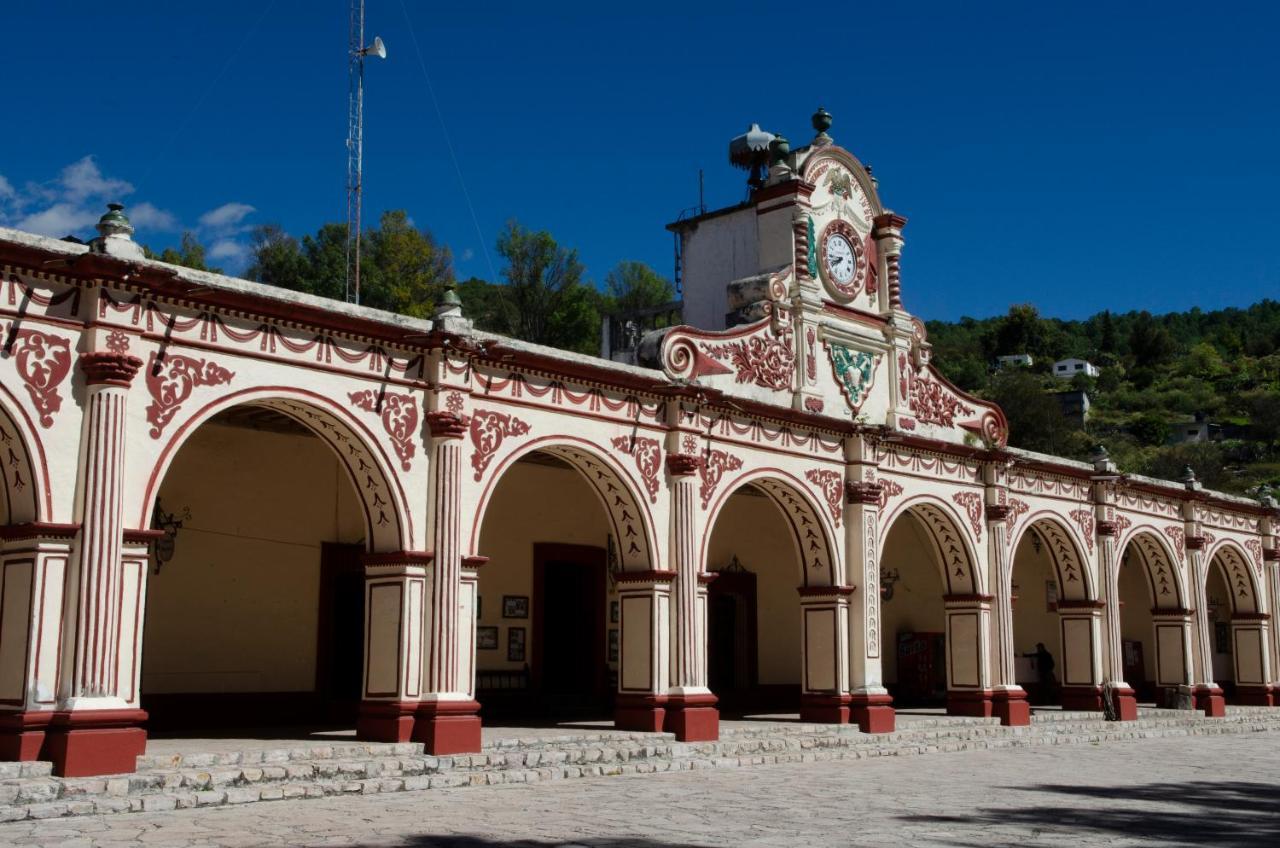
(515, 644)
(487, 638)
(613, 612)
(479, 607)
(515, 606)
(1051, 595)
(613, 643)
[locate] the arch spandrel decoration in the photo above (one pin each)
(632, 522)
(954, 548)
(811, 533)
(388, 522)
(1164, 577)
(22, 477)
(1239, 577)
(1075, 581)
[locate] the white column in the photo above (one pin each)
(1121, 694)
(1008, 698)
(1207, 693)
(869, 701)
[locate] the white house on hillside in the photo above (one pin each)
(1068, 368)
(1016, 359)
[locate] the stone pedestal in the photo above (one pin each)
(1210, 701)
(448, 727)
(692, 717)
(1011, 707)
(873, 713)
(83, 743)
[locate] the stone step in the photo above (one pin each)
(395, 768)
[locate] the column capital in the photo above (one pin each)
(683, 465)
(1196, 543)
(106, 368)
(1271, 555)
(998, 512)
(447, 425)
(858, 492)
(1107, 528)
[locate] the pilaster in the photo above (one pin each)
(1208, 695)
(395, 610)
(1009, 699)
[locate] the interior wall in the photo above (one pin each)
(1219, 597)
(1135, 614)
(750, 527)
(236, 608)
(916, 604)
(532, 503)
(1035, 580)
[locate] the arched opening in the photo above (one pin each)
(1056, 619)
(935, 617)
(1155, 623)
(1238, 634)
(557, 526)
(766, 545)
(254, 609)
(23, 494)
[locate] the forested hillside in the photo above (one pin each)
(1157, 374)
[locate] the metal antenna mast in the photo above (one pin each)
(356, 52)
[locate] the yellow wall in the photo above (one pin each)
(916, 606)
(751, 528)
(532, 503)
(1135, 614)
(235, 610)
(1033, 621)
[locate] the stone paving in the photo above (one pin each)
(1220, 790)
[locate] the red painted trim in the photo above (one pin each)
(382, 558)
(826, 591)
(370, 585)
(474, 562)
(38, 530)
(1083, 604)
(644, 576)
(106, 368)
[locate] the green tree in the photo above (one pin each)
(1035, 417)
(544, 299)
(189, 254)
(404, 270)
(1149, 343)
(633, 286)
(278, 259)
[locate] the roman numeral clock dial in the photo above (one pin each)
(843, 260)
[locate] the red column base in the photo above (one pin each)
(1210, 700)
(1082, 698)
(1011, 708)
(824, 709)
(385, 721)
(448, 727)
(970, 702)
(873, 713)
(1255, 696)
(640, 713)
(93, 742)
(22, 735)
(692, 718)
(1126, 703)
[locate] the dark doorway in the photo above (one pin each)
(732, 646)
(569, 668)
(340, 636)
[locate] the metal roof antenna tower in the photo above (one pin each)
(356, 52)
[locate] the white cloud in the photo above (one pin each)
(6, 189)
(226, 216)
(468, 254)
(229, 250)
(83, 180)
(58, 220)
(146, 216)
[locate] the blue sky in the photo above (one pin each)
(1076, 156)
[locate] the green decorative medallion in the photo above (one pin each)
(813, 251)
(855, 372)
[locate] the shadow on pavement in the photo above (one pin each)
(1229, 814)
(425, 841)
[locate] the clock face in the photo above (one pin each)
(841, 263)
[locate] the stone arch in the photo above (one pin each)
(1160, 565)
(388, 521)
(1065, 551)
(956, 554)
(24, 488)
(1240, 578)
(811, 533)
(631, 521)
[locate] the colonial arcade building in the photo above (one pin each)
(224, 501)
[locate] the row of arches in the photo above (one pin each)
(263, 556)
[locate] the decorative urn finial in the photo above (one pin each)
(115, 222)
(115, 234)
(821, 123)
(779, 149)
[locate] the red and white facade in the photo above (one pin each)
(825, 405)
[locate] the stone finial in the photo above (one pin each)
(1188, 478)
(448, 312)
(115, 234)
(1265, 497)
(1101, 460)
(821, 121)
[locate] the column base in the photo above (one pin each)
(825, 709)
(1209, 699)
(1125, 701)
(1011, 707)
(1082, 698)
(970, 702)
(386, 721)
(22, 735)
(873, 713)
(93, 742)
(692, 718)
(640, 713)
(448, 727)
(1255, 696)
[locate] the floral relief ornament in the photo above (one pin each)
(488, 431)
(43, 361)
(765, 360)
(648, 456)
(170, 381)
(855, 372)
(399, 414)
(831, 484)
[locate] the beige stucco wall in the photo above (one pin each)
(916, 606)
(531, 504)
(236, 609)
(1033, 621)
(1135, 614)
(751, 528)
